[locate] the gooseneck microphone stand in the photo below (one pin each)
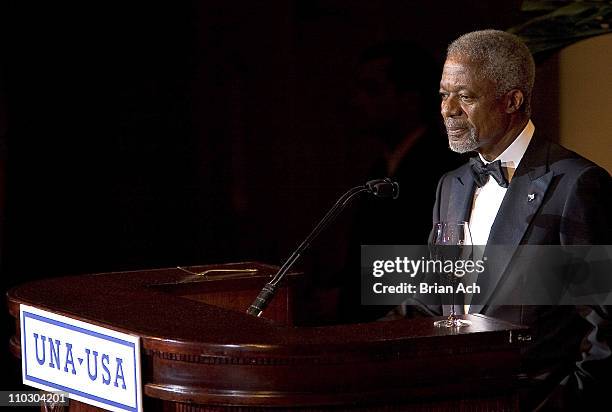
(379, 187)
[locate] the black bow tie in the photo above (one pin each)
(482, 171)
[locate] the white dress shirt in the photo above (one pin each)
(488, 198)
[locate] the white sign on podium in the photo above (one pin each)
(95, 365)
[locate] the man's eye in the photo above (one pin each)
(443, 96)
(465, 98)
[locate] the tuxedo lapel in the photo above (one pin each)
(521, 203)
(460, 198)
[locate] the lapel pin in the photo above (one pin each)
(530, 197)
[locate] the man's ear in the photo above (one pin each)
(514, 100)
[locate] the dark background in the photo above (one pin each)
(153, 135)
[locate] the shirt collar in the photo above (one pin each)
(512, 156)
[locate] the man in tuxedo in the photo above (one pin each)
(521, 189)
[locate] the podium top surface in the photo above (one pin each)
(152, 305)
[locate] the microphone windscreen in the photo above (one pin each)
(384, 188)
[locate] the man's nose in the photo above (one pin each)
(450, 107)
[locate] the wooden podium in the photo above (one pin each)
(201, 352)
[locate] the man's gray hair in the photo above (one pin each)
(502, 57)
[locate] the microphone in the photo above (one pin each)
(383, 188)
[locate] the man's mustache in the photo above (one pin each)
(454, 124)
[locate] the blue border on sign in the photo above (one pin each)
(87, 332)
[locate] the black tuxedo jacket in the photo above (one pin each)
(556, 197)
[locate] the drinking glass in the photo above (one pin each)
(451, 241)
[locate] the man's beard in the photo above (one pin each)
(467, 143)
